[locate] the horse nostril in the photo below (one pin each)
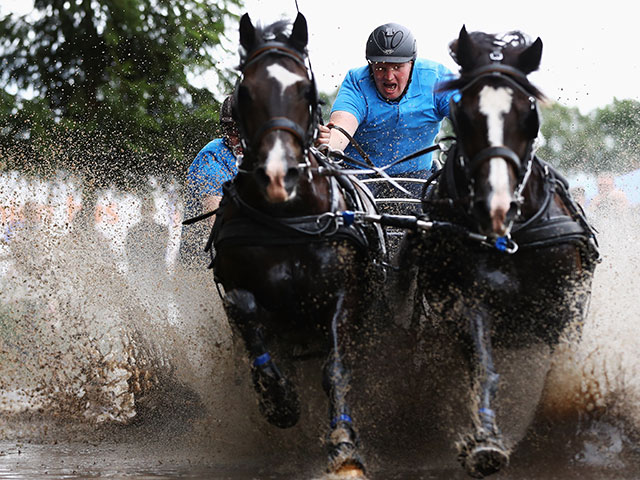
(514, 211)
(292, 176)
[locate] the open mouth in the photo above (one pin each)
(390, 88)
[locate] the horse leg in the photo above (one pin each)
(342, 440)
(483, 452)
(278, 399)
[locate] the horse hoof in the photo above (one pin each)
(282, 409)
(350, 470)
(481, 458)
(485, 460)
(344, 461)
(278, 400)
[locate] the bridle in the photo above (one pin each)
(304, 135)
(522, 166)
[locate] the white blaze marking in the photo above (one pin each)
(274, 164)
(495, 103)
(275, 167)
(283, 76)
(499, 181)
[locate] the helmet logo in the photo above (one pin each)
(389, 40)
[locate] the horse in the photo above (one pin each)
(295, 273)
(505, 257)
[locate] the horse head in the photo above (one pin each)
(276, 106)
(496, 121)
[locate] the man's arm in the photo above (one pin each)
(209, 204)
(335, 139)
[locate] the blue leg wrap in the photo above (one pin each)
(343, 417)
(262, 359)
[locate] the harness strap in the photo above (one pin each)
(204, 216)
(288, 224)
(279, 123)
(513, 76)
(539, 229)
(490, 152)
(378, 170)
(247, 232)
(272, 47)
(549, 189)
(550, 231)
(353, 142)
(449, 171)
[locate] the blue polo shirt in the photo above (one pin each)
(389, 130)
(214, 165)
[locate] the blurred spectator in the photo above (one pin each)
(115, 213)
(66, 202)
(13, 197)
(578, 194)
(609, 200)
(168, 213)
(146, 242)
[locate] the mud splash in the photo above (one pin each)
(114, 346)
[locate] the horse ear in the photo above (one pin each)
(529, 59)
(463, 50)
(247, 32)
(300, 34)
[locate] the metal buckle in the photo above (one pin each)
(496, 56)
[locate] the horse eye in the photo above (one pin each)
(308, 92)
(531, 124)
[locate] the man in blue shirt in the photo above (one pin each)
(391, 106)
(214, 165)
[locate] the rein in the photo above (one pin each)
(366, 157)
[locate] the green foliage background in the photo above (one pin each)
(109, 81)
(605, 140)
(108, 91)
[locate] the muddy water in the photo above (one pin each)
(117, 362)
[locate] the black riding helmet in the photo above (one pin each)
(228, 124)
(226, 111)
(391, 43)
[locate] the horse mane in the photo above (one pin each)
(279, 31)
(510, 44)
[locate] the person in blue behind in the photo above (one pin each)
(391, 106)
(212, 166)
(215, 163)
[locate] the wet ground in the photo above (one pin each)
(147, 459)
(118, 369)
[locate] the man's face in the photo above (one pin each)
(232, 138)
(391, 79)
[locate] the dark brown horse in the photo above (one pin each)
(295, 274)
(505, 256)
